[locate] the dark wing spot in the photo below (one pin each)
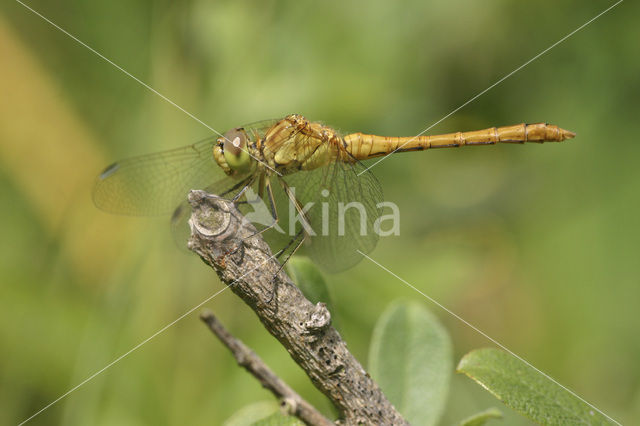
(109, 171)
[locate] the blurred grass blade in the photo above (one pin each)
(411, 359)
(525, 390)
(482, 417)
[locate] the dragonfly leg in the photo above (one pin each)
(249, 181)
(272, 206)
(296, 242)
(274, 212)
(236, 186)
(306, 224)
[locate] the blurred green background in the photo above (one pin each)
(535, 245)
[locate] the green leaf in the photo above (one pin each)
(249, 414)
(411, 359)
(482, 417)
(278, 419)
(309, 280)
(525, 390)
(263, 413)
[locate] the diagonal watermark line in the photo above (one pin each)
(118, 67)
(145, 85)
(139, 345)
(495, 84)
(491, 339)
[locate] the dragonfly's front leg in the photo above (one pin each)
(265, 183)
(244, 189)
(265, 189)
(243, 183)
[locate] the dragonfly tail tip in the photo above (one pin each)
(566, 134)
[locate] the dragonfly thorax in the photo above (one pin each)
(295, 144)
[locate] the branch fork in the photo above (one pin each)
(228, 243)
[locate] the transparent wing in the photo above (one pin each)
(259, 128)
(343, 213)
(156, 183)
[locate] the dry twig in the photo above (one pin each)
(294, 404)
(224, 240)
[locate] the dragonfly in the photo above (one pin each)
(308, 177)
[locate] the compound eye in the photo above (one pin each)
(235, 141)
(235, 149)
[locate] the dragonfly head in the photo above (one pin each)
(232, 152)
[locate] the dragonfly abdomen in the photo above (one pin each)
(362, 146)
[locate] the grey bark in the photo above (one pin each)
(291, 401)
(227, 242)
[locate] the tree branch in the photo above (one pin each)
(251, 362)
(227, 242)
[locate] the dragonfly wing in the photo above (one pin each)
(343, 213)
(156, 183)
(259, 128)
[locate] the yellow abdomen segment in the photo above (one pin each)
(362, 146)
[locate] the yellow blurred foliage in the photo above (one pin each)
(54, 170)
